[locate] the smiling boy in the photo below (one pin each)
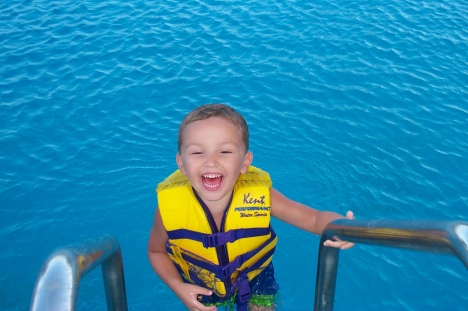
(211, 240)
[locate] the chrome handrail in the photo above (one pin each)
(56, 286)
(427, 235)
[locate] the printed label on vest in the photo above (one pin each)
(249, 200)
(253, 211)
(256, 214)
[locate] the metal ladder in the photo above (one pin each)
(433, 236)
(56, 286)
(57, 283)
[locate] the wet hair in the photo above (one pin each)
(216, 110)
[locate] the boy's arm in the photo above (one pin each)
(305, 217)
(166, 270)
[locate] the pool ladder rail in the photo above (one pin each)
(57, 283)
(434, 236)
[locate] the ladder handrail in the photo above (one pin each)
(57, 284)
(433, 236)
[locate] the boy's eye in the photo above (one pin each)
(226, 151)
(196, 152)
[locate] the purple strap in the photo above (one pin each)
(243, 293)
(217, 239)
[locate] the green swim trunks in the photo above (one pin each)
(263, 287)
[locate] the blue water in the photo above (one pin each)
(352, 105)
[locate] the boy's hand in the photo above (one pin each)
(189, 293)
(338, 243)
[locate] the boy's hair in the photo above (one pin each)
(216, 110)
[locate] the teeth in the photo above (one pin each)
(211, 175)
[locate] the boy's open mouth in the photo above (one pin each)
(212, 181)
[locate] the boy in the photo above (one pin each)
(211, 240)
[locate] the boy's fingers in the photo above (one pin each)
(202, 293)
(333, 243)
(205, 291)
(338, 244)
(199, 293)
(205, 308)
(348, 245)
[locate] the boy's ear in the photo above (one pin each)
(179, 163)
(247, 161)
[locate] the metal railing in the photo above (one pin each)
(431, 236)
(57, 283)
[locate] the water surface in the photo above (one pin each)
(352, 105)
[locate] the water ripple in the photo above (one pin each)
(351, 105)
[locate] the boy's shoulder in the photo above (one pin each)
(175, 179)
(257, 175)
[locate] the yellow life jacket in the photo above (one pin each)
(222, 261)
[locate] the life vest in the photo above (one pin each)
(222, 261)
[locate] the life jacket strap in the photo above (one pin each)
(239, 284)
(217, 239)
(229, 268)
(222, 272)
(243, 293)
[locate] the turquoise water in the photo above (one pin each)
(352, 105)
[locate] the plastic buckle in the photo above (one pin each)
(244, 293)
(209, 241)
(217, 239)
(230, 267)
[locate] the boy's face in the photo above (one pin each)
(212, 156)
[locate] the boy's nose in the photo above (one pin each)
(211, 160)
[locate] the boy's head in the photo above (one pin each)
(213, 142)
(216, 110)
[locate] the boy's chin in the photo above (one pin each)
(212, 196)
